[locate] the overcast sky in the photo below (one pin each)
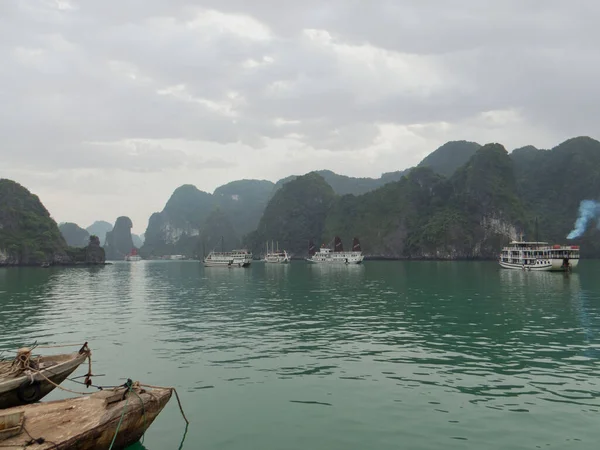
(107, 106)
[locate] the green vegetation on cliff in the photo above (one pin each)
(176, 229)
(425, 215)
(243, 202)
(74, 235)
(91, 254)
(552, 183)
(461, 201)
(188, 215)
(28, 235)
(295, 214)
(218, 234)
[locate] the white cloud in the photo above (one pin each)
(110, 105)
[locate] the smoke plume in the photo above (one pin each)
(588, 211)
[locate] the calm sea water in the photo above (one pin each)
(387, 355)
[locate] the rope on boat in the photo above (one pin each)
(143, 412)
(32, 441)
(130, 384)
(87, 383)
(57, 385)
(22, 361)
(112, 387)
(176, 396)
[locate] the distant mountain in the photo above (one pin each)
(74, 235)
(100, 228)
(449, 157)
(118, 241)
(295, 214)
(189, 213)
(343, 184)
(28, 235)
(461, 201)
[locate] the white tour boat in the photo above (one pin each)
(539, 256)
(336, 256)
(133, 256)
(234, 258)
(276, 256)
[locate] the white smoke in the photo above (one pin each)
(588, 211)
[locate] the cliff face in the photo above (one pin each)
(218, 233)
(188, 215)
(176, 229)
(28, 235)
(94, 253)
(118, 241)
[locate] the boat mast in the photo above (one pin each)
(222, 244)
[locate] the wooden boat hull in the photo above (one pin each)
(90, 422)
(30, 388)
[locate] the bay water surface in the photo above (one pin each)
(387, 355)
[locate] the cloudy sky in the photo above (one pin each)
(107, 106)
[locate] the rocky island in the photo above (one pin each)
(30, 237)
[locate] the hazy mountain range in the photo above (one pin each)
(462, 201)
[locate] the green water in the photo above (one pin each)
(387, 355)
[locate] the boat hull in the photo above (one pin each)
(553, 265)
(277, 260)
(529, 267)
(90, 422)
(24, 389)
(337, 261)
(231, 265)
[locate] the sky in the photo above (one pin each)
(106, 106)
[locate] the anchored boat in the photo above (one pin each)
(133, 256)
(336, 256)
(234, 258)
(539, 256)
(112, 418)
(28, 378)
(276, 256)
